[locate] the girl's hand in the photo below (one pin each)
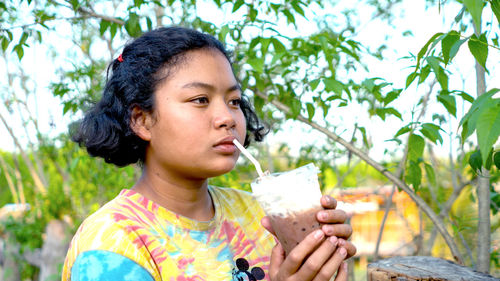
(317, 257)
(334, 223)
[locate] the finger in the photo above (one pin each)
(343, 272)
(277, 258)
(331, 266)
(318, 259)
(351, 249)
(297, 256)
(328, 202)
(340, 230)
(332, 216)
(266, 223)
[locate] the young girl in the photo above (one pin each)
(173, 105)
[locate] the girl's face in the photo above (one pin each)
(196, 117)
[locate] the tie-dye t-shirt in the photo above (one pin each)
(132, 238)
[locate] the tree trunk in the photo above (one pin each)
(483, 188)
(422, 268)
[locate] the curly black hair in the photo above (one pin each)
(105, 129)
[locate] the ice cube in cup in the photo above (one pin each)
(291, 200)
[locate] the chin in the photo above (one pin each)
(221, 168)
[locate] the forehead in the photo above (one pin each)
(204, 64)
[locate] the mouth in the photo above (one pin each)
(226, 145)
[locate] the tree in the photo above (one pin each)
(295, 75)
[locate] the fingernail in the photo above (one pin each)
(344, 265)
(333, 240)
(323, 215)
(343, 252)
(318, 234)
(341, 242)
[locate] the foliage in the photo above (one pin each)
(311, 72)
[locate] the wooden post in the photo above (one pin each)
(415, 268)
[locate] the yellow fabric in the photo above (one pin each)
(173, 247)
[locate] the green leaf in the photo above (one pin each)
(468, 122)
(310, 110)
(132, 25)
(460, 15)
(278, 46)
(314, 84)
(113, 30)
(447, 43)
(449, 103)
(475, 8)
(496, 159)
(402, 131)
(103, 26)
(297, 8)
(289, 16)
(238, 5)
(410, 78)
(475, 161)
(495, 7)
(423, 51)
(431, 176)
(74, 4)
(479, 48)
(488, 127)
(424, 73)
(333, 85)
(414, 175)
(489, 160)
(5, 43)
(19, 51)
(466, 96)
(431, 131)
(438, 71)
(365, 138)
(391, 96)
(257, 64)
(456, 47)
(416, 146)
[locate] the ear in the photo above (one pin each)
(140, 122)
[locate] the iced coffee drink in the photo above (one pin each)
(291, 200)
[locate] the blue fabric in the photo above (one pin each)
(99, 265)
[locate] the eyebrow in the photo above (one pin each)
(209, 87)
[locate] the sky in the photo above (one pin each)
(413, 15)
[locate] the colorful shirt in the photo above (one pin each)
(132, 238)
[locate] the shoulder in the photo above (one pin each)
(111, 234)
(100, 265)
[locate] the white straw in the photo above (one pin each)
(250, 157)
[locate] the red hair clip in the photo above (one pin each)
(120, 58)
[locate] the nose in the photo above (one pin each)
(224, 116)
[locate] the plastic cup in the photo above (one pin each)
(291, 200)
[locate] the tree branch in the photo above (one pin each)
(398, 182)
(38, 183)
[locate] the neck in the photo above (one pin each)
(187, 197)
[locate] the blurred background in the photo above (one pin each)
(396, 101)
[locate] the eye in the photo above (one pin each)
(200, 100)
(235, 102)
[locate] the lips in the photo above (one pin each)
(226, 145)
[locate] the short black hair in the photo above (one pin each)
(131, 81)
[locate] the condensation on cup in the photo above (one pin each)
(291, 200)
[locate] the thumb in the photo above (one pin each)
(277, 258)
(266, 223)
